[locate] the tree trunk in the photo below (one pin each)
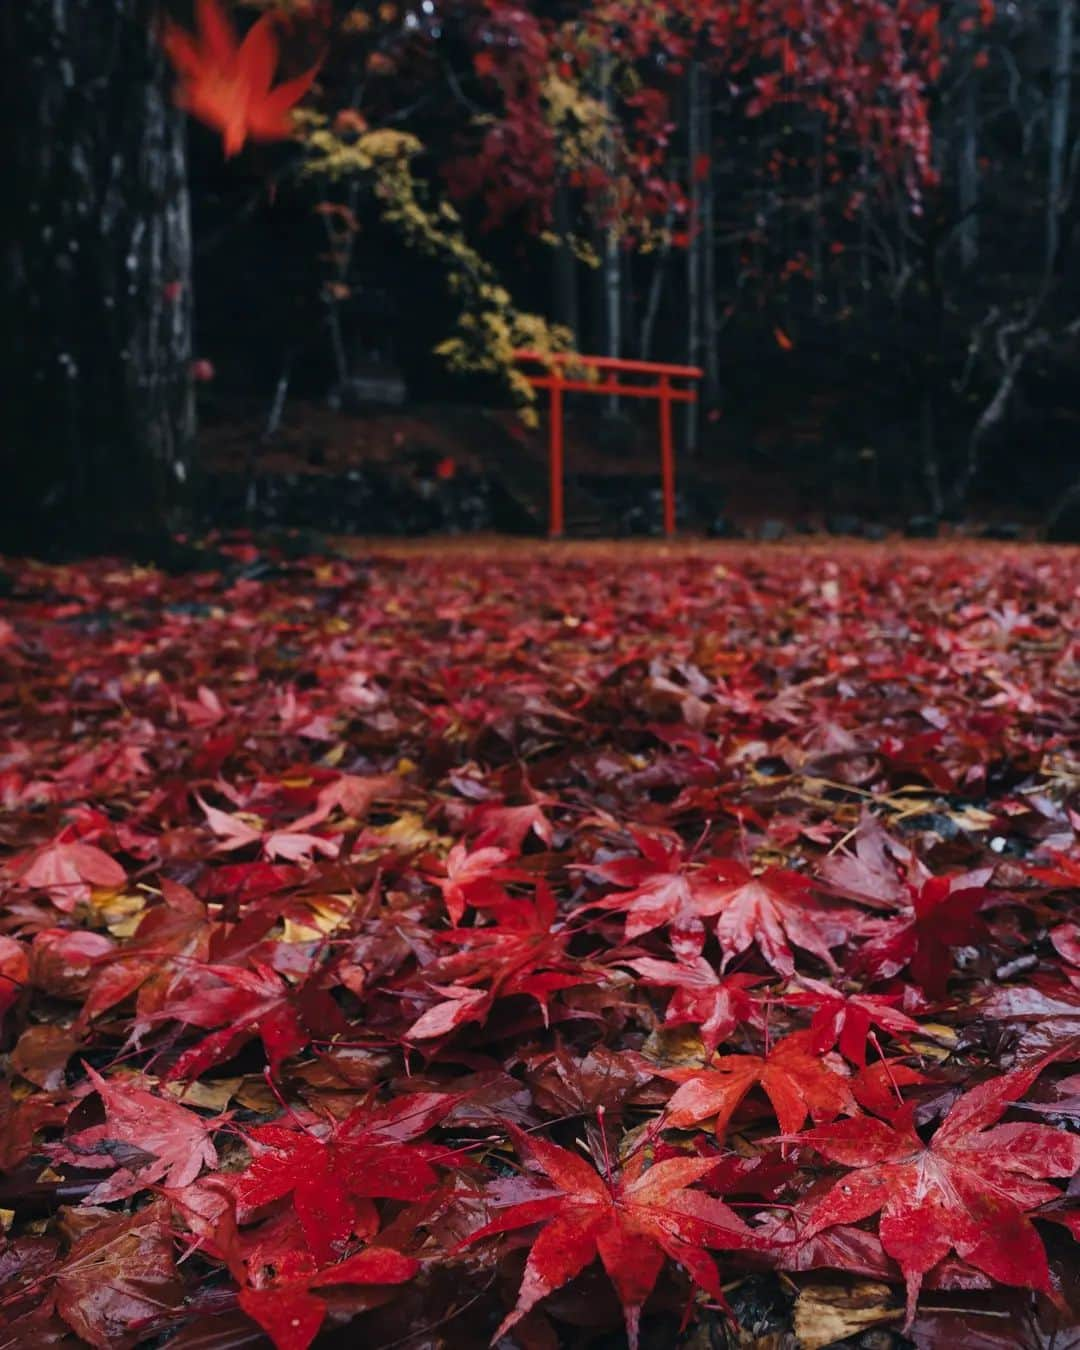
(711, 333)
(612, 257)
(967, 175)
(565, 264)
(98, 418)
(1060, 91)
(694, 270)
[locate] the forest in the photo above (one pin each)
(540, 676)
(856, 218)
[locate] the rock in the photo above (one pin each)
(843, 523)
(921, 527)
(875, 531)
(1007, 531)
(772, 531)
(720, 527)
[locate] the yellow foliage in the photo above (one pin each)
(489, 327)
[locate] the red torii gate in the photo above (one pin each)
(556, 380)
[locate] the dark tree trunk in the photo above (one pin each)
(97, 422)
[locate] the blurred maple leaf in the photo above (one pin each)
(228, 84)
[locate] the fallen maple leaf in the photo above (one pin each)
(145, 1138)
(968, 1190)
(227, 84)
(944, 914)
(14, 972)
(631, 1221)
(474, 878)
(846, 1020)
(714, 1004)
(332, 1173)
(522, 950)
(67, 871)
(244, 1003)
(291, 1315)
(119, 1283)
(773, 910)
(796, 1080)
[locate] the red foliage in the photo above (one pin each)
(697, 874)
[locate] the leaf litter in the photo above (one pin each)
(556, 950)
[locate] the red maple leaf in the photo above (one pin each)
(968, 1190)
(14, 972)
(145, 1138)
(1063, 873)
(68, 869)
(227, 84)
(797, 1082)
(290, 1313)
(773, 910)
(847, 1020)
(657, 887)
(523, 951)
(631, 1221)
(474, 878)
(333, 1172)
(245, 1003)
(715, 1004)
(944, 914)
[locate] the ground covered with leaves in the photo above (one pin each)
(557, 949)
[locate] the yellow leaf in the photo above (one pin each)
(119, 913)
(826, 1313)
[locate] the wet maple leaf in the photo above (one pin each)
(632, 1221)
(508, 826)
(944, 914)
(774, 910)
(333, 1172)
(244, 1003)
(145, 1138)
(871, 872)
(229, 84)
(1063, 872)
(968, 1190)
(14, 972)
(522, 950)
(119, 1282)
(474, 878)
(460, 1004)
(178, 926)
(713, 1003)
(847, 1020)
(657, 888)
(796, 1080)
(290, 1313)
(67, 870)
